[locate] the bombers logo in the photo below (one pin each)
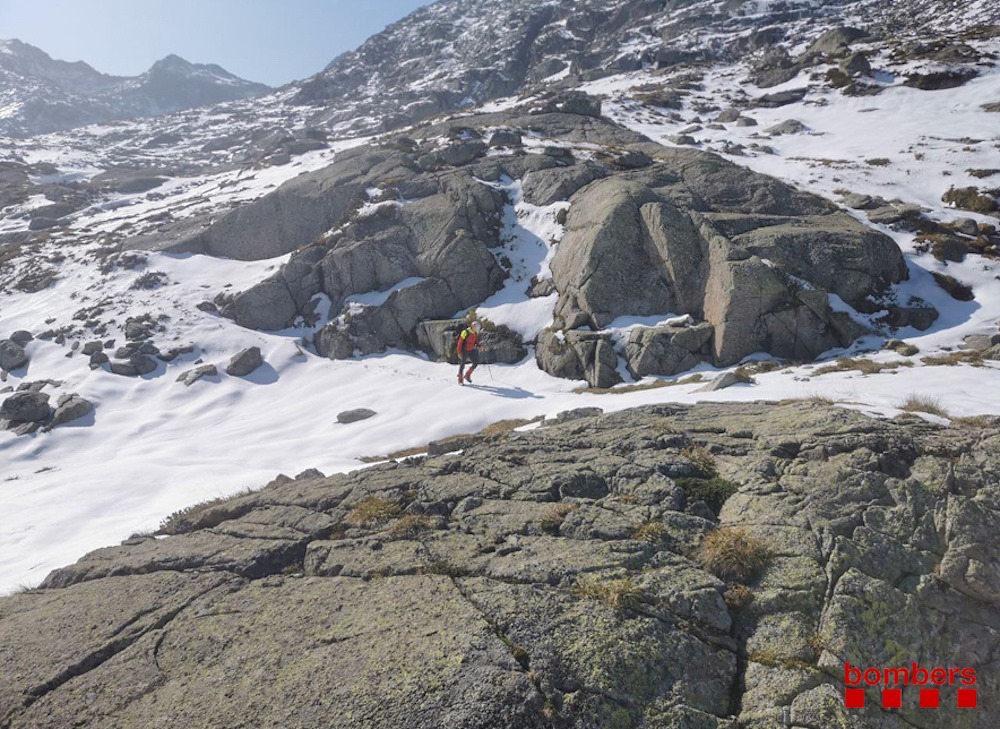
(929, 680)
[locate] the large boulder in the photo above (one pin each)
(748, 255)
(26, 407)
(439, 338)
(578, 355)
(70, 408)
(12, 355)
(667, 350)
(442, 235)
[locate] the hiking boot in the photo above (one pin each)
(468, 376)
(460, 379)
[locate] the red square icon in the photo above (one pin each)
(966, 698)
(930, 698)
(854, 698)
(892, 698)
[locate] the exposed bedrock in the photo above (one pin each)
(553, 578)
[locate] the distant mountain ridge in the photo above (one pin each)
(39, 94)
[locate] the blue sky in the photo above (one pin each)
(271, 41)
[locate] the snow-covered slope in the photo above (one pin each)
(153, 445)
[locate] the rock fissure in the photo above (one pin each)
(95, 659)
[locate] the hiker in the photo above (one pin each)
(468, 351)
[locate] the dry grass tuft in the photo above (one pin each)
(962, 356)
(621, 594)
(198, 516)
(373, 511)
(733, 554)
(555, 515)
(410, 526)
(924, 404)
(977, 421)
(653, 532)
(702, 460)
(506, 426)
(737, 596)
(859, 364)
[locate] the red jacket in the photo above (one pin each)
(467, 341)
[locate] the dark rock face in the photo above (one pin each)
(543, 579)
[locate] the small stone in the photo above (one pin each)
(192, 376)
(726, 379)
(91, 348)
(353, 416)
(22, 337)
(245, 362)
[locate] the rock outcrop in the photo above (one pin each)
(546, 579)
(409, 233)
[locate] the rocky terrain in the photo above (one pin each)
(657, 204)
(751, 261)
(708, 566)
(39, 94)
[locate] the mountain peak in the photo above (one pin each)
(173, 64)
(47, 95)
